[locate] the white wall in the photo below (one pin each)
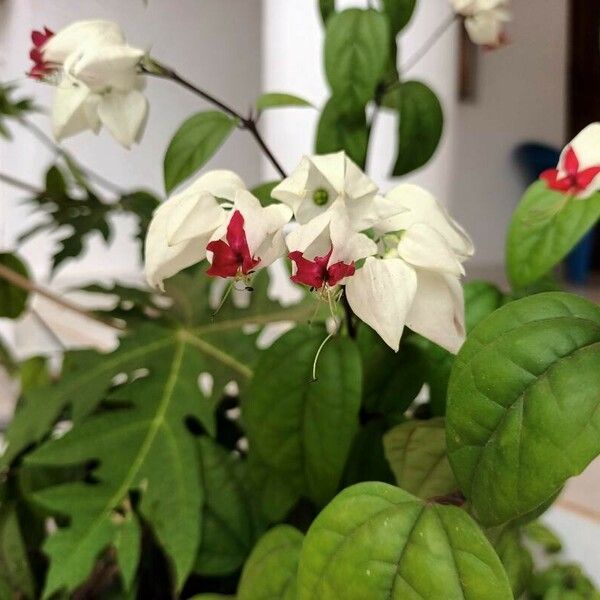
(521, 97)
(215, 43)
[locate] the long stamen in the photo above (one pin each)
(223, 299)
(318, 354)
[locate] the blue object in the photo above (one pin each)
(533, 159)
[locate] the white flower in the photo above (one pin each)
(182, 226)
(250, 238)
(578, 170)
(322, 181)
(416, 279)
(484, 19)
(98, 81)
(324, 251)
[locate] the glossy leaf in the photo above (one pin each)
(301, 428)
(338, 131)
(517, 560)
(481, 300)
(421, 123)
(540, 534)
(194, 143)
(377, 541)
(356, 52)
(280, 100)
(543, 229)
(229, 521)
(13, 299)
(416, 451)
(399, 13)
(523, 404)
(270, 571)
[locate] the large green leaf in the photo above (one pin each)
(420, 127)
(377, 541)
(194, 143)
(399, 13)
(338, 131)
(302, 428)
(229, 522)
(13, 299)
(270, 572)
(517, 560)
(543, 229)
(416, 451)
(356, 53)
(280, 100)
(523, 404)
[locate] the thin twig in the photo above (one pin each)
(247, 123)
(22, 185)
(424, 49)
(25, 284)
(52, 145)
(46, 326)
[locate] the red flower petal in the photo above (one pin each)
(571, 161)
(338, 271)
(225, 261)
(585, 177)
(308, 272)
(554, 182)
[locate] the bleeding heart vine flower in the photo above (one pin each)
(325, 250)
(415, 279)
(485, 20)
(98, 80)
(321, 182)
(578, 170)
(182, 226)
(250, 238)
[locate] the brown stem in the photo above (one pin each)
(350, 325)
(249, 124)
(25, 284)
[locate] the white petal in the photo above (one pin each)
(437, 312)
(422, 246)
(69, 112)
(256, 226)
(108, 67)
(192, 217)
(347, 245)
(416, 205)
(272, 248)
(587, 148)
(312, 239)
(81, 34)
(485, 28)
(124, 115)
(221, 183)
(380, 294)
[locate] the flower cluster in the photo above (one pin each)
(97, 78)
(399, 257)
(485, 20)
(578, 171)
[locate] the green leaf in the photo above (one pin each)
(280, 100)
(420, 128)
(300, 428)
(11, 108)
(194, 143)
(523, 404)
(326, 8)
(229, 524)
(539, 533)
(356, 53)
(543, 229)
(391, 381)
(13, 299)
(376, 541)
(517, 560)
(416, 451)
(338, 131)
(481, 300)
(399, 13)
(270, 572)
(263, 192)
(127, 542)
(215, 345)
(15, 564)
